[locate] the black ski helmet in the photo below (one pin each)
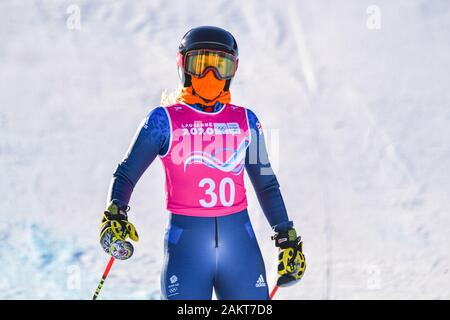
(206, 37)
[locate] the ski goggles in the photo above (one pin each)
(198, 62)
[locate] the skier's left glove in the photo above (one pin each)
(291, 260)
(115, 230)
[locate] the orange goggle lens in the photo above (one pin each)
(198, 62)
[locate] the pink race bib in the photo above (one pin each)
(204, 164)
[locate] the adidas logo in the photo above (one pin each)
(260, 282)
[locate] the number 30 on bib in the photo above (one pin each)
(211, 192)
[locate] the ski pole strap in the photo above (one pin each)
(105, 274)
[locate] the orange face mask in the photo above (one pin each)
(208, 87)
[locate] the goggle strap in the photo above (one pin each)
(180, 60)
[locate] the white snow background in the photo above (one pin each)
(362, 116)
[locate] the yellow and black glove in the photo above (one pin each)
(115, 230)
(291, 260)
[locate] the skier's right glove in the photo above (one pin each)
(291, 260)
(115, 230)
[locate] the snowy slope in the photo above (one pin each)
(362, 115)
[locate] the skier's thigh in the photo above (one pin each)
(241, 273)
(184, 279)
(189, 266)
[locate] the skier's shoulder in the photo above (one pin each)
(253, 120)
(252, 117)
(247, 110)
(236, 107)
(155, 110)
(173, 106)
(156, 117)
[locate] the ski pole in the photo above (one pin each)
(105, 274)
(274, 290)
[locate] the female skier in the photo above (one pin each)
(204, 143)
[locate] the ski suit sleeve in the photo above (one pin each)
(152, 138)
(263, 178)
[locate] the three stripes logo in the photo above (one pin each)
(260, 282)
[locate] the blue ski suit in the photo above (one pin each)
(206, 253)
